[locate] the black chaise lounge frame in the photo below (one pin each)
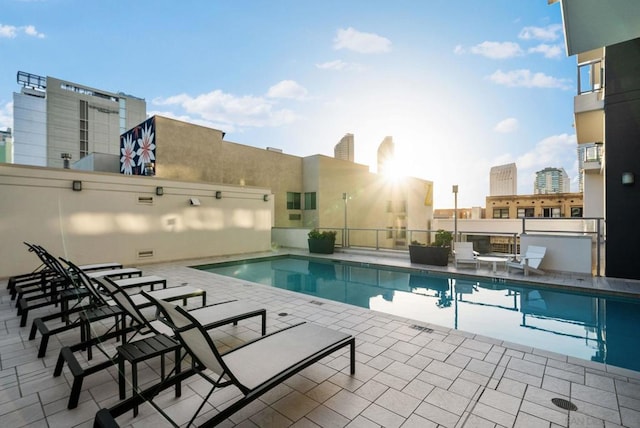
(156, 344)
(311, 344)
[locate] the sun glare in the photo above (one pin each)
(392, 170)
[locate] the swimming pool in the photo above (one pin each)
(593, 327)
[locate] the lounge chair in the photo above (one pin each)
(253, 368)
(464, 254)
(530, 262)
(37, 281)
(149, 339)
(92, 305)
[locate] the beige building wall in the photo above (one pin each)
(191, 152)
(372, 202)
(185, 151)
(120, 218)
(566, 202)
(104, 110)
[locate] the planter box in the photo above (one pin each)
(321, 246)
(436, 256)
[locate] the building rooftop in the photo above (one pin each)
(404, 376)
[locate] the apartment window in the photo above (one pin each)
(310, 200)
(402, 206)
(293, 201)
(389, 206)
(525, 212)
(501, 213)
(389, 232)
(576, 211)
(84, 128)
(551, 212)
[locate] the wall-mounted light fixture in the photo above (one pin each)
(218, 194)
(76, 185)
(265, 198)
(628, 178)
(194, 201)
(159, 191)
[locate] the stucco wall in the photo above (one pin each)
(116, 217)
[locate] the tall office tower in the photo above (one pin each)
(551, 180)
(56, 121)
(6, 152)
(344, 149)
(386, 154)
(503, 180)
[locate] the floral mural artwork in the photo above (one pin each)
(138, 149)
(146, 147)
(128, 153)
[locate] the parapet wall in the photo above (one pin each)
(122, 218)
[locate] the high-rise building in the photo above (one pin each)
(551, 180)
(55, 120)
(345, 148)
(386, 154)
(6, 146)
(503, 180)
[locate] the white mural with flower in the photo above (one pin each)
(146, 147)
(128, 152)
(138, 149)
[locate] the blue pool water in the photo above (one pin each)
(593, 327)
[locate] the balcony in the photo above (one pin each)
(590, 86)
(592, 157)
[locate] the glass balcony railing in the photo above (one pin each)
(590, 76)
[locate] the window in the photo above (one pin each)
(389, 207)
(310, 200)
(525, 212)
(84, 128)
(576, 211)
(293, 201)
(501, 213)
(551, 212)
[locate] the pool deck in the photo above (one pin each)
(405, 376)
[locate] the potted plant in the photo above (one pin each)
(322, 242)
(436, 253)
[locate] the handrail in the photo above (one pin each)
(401, 238)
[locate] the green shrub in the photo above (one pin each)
(325, 234)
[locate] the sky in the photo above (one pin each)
(460, 85)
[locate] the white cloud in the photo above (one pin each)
(230, 110)
(507, 126)
(287, 89)
(548, 33)
(357, 41)
(6, 116)
(8, 31)
(459, 50)
(549, 51)
(11, 31)
(497, 50)
(30, 30)
(528, 79)
(339, 65)
(549, 152)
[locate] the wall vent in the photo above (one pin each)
(145, 254)
(145, 200)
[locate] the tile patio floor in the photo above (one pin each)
(404, 377)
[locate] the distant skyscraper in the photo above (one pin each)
(551, 180)
(503, 180)
(386, 153)
(6, 154)
(344, 149)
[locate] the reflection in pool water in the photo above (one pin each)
(591, 327)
